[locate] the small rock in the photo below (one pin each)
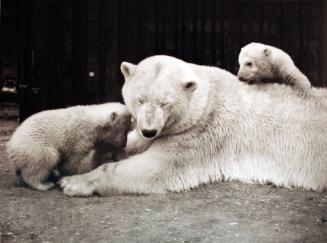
(309, 198)
(321, 220)
(233, 223)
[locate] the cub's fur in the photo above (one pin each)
(268, 64)
(70, 140)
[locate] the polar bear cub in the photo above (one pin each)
(68, 140)
(261, 63)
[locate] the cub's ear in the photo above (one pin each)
(267, 51)
(127, 69)
(113, 116)
(190, 85)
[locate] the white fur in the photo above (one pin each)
(222, 130)
(136, 143)
(269, 64)
(71, 140)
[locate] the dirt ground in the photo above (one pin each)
(222, 212)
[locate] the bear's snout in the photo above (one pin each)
(150, 121)
(244, 79)
(241, 77)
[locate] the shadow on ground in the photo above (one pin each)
(221, 212)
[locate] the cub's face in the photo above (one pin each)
(115, 126)
(157, 92)
(255, 64)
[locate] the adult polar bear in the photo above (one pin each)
(207, 126)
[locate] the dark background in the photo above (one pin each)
(51, 47)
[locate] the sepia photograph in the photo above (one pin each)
(163, 121)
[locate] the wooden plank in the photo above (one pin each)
(79, 52)
(323, 66)
(311, 49)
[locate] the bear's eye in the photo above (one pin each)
(248, 64)
(164, 104)
(140, 101)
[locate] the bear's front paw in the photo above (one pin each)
(76, 186)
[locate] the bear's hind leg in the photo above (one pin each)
(37, 172)
(36, 179)
(36, 183)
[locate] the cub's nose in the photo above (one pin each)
(243, 79)
(149, 133)
(240, 77)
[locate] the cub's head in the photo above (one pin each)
(256, 63)
(163, 94)
(113, 122)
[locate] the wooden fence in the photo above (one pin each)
(70, 51)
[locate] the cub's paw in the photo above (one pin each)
(76, 186)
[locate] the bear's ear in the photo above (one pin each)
(190, 85)
(113, 116)
(267, 51)
(127, 69)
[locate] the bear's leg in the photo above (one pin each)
(77, 164)
(38, 171)
(144, 173)
(37, 180)
(37, 183)
(85, 164)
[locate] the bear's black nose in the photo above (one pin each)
(149, 133)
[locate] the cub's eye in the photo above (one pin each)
(248, 64)
(140, 101)
(165, 104)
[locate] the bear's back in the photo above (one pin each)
(51, 127)
(279, 101)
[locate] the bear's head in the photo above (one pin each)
(256, 63)
(113, 122)
(164, 95)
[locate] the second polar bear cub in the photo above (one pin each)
(69, 140)
(268, 64)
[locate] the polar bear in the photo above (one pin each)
(260, 63)
(206, 126)
(71, 140)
